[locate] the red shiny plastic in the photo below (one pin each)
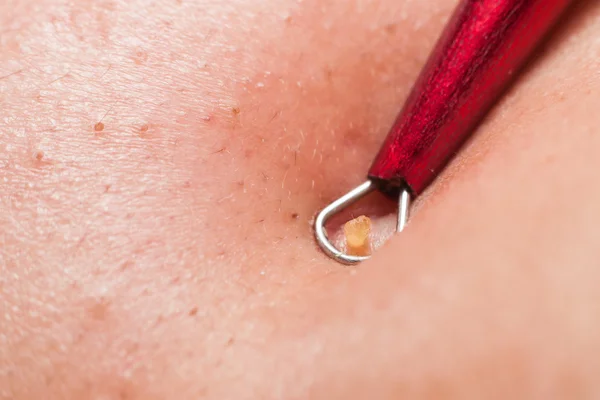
(485, 42)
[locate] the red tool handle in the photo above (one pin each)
(485, 42)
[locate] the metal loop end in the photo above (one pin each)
(345, 201)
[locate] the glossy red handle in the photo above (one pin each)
(485, 42)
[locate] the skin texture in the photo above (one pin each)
(160, 163)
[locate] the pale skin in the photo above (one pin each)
(160, 163)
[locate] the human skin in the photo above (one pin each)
(161, 162)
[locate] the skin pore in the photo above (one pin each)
(161, 162)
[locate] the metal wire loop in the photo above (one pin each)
(345, 201)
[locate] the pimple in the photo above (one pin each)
(357, 232)
(144, 129)
(140, 57)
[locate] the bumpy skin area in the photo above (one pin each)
(161, 161)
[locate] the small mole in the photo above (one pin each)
(99, 127)
(295, 215)
(236, 110)
(39, 155)
(144, 128)
(193, 311)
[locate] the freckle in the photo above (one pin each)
(144, 128)
(193, 311)
(107, 188)
(328, 73)
(39, 155)
(99, 310)
(390, 28)
(288, 19)
(230, 341)
(295, 215)
(99, 127)
(126, 265)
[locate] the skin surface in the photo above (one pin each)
(160, 164)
